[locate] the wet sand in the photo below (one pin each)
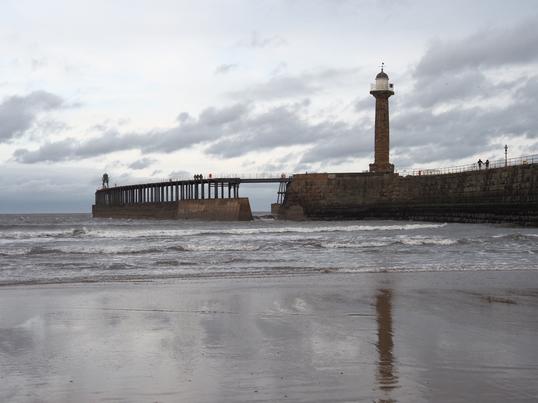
(385, 337)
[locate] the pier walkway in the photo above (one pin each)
(198, 188)
(502, 163)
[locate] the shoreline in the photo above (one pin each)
(248, 275)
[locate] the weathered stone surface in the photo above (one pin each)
(164, 210)
(495, 195)
(382, 136)
(215, 209)
(236, 209)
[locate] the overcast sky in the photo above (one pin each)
(157, 89)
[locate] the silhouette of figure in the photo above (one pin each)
(487, 164)
(105, 180)
(480, 164)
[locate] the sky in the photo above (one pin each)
(150, 90)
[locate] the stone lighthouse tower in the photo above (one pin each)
(382, 90)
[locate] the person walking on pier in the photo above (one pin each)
(487, 164)
(480, 164)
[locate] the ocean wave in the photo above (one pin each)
(177, 248)
(427, 241)
(319, 229)
(249, 231)
(516, 237)
(174, 262)
(48, 233)
(221, 247)
(39, 250)
(386, 242)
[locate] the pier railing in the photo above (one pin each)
(528, 159)
(225, 175)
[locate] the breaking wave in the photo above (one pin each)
(67, 249)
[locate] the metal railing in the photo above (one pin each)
(258, 175)
(528, 159)
(186, 177)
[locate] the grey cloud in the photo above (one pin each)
(18, 113)
(142, 163)
(364, 104)
(489, 48)
(210, 125)
(257, 41)
(460, 132)
(450, 87)
(278, 87)
(216, 117)
(277, 127)
(180, 175)
(286, 86)
(225, 68)
(57, 151)
(346, 142)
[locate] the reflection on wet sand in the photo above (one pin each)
(387, 376)
(380, 337)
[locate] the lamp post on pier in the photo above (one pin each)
(506, 155)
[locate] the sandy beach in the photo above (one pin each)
(384, 337)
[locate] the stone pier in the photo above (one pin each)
(203, 199)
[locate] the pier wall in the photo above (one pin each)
(495, 195)
(158, 210)
(235, 209)
(215, 209)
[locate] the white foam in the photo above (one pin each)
(417, 241)
(134, 233)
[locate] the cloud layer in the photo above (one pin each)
(19, 113)
(456, 104)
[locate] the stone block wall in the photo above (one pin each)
(215, 209)
(163, 211)
(236, 209)
(493, 195)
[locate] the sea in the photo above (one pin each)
(73, 248)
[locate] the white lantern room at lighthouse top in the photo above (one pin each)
(382, 83)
